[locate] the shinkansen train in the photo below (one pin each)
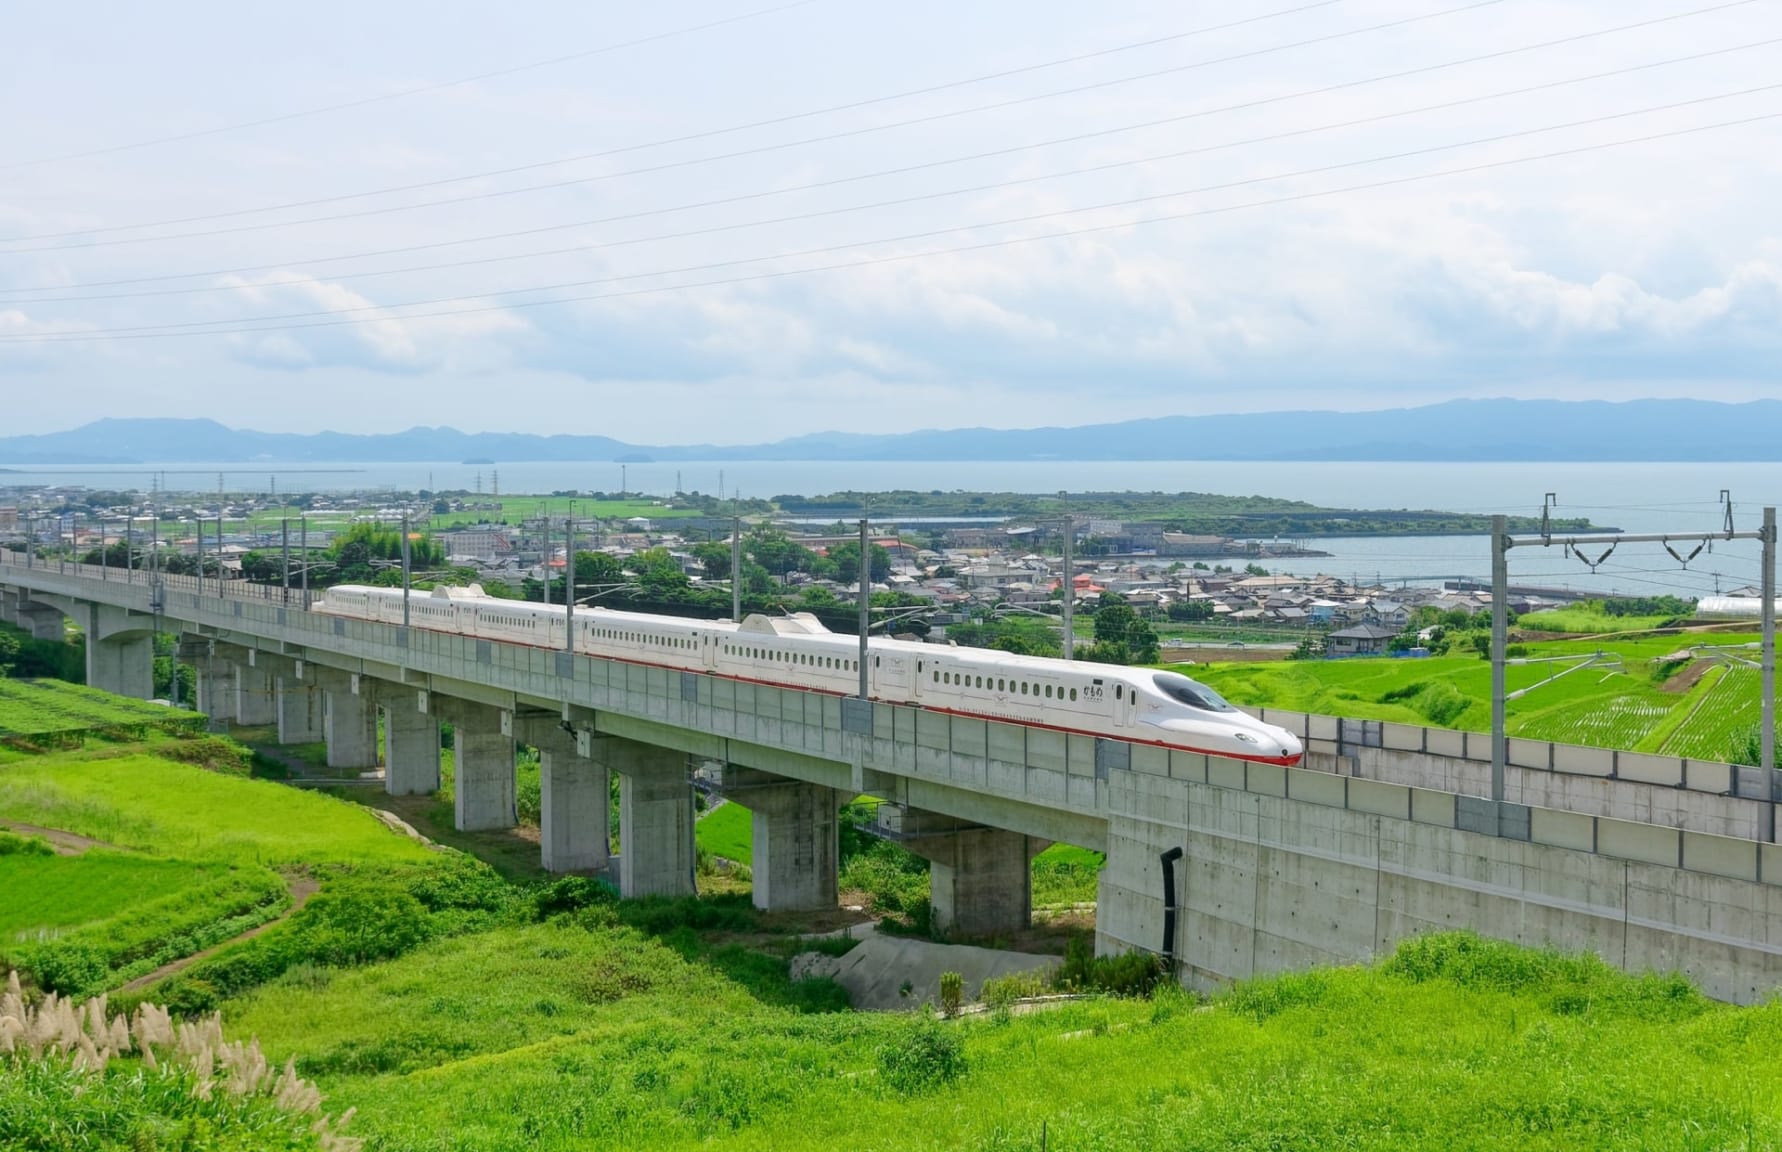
(797, 651)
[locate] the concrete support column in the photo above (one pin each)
(796, 839)
(483, 766)
(349, 719)
(44, 623)
(411, 742)
(300, 707)
(215, 682)
(256, 692)
(655, 818)
(575, 799)
(122, 664)
(9, 606)
(980, 879)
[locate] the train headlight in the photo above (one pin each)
(1245, 737)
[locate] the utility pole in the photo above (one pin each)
(569, 584)
(284, 550)
(303, 547)
(405, 569)
(865, 588)
(545, 556)
(1767, 737)
(1500, 633)
(1070, 590)
(736, 568)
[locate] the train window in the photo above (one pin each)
(875, 661)
(999, 686)
(1048, 691)
(1119, 690)
(1073, 693)
(1189, 692)
(937, 677)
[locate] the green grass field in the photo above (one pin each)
(54, 707)
(558, 1038)
(178, 810)
(49, 893)
(515, 509)
(727, 831)
(1622, 707)
(1586, 622)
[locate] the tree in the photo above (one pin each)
(846, 558)
(9, 651)
(1255, 570)
(1184, 611)
(714, 559)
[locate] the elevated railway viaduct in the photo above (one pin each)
(1655, 864)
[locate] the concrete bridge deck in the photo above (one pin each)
(1377, 838)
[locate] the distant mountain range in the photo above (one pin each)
(1460, 430)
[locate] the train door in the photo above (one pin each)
(708, 650)
(1123, 705)
(921, 672)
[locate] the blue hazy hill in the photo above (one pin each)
(1460, 430)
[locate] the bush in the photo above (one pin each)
(213, 752)
(356, 922)
(952, 993)
(1002, 991)
(927, 1056)
(12, 844)
(1127, 974)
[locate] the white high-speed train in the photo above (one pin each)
(1138, 704)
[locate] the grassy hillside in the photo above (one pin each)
(1633, 705)
(564, 1037)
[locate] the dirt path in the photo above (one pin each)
(302, 888)
(65, 843)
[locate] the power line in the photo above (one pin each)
(774, 192)
(175, 329)
(383, 98)
(928, 119)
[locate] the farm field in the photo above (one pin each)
(55, 892)
(34, 708)
(165, 808)
(1631, 705)
(515, 509)
(1586, 622)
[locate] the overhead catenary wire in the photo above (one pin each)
(903, 170)
(199, 326)
(860, 131)
(387, 97)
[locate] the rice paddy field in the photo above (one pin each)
(1636, 696)
(33, 709)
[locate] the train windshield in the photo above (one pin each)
(1192, 694)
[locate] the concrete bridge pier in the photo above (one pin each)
(349, 718)
(41, 620)
(214, 680)
(411, 741)
(9, 607)
(256, 691)
(575, 797)
(122, 664)
(796, 839)
(297, 702)
(483, 765)
(980, 879)
(655, 818)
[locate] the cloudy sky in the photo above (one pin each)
(733, 220)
